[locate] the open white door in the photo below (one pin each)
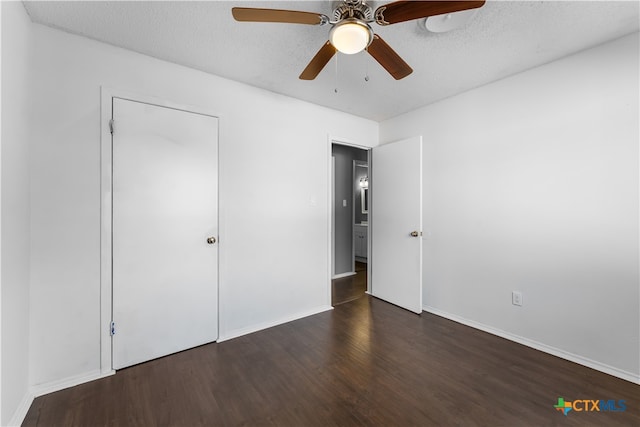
(396, 223)
(165, 219)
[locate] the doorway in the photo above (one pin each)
(394, 235)
(349, 214)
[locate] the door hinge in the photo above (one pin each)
(111, 126)
(112, 330)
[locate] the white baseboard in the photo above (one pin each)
(341, 275)
(41, 389)
(598, 366)
(50, 387)
(21, 411)
(53, 386)
(255, 328)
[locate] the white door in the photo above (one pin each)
(165, 207)
(396, 223)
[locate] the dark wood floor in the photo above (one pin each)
(364, 363)
(349, 288)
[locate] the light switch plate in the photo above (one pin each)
(516, 298)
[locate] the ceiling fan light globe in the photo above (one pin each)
(350, 36)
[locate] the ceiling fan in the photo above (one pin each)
(350, 30)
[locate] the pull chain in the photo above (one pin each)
(366, 68)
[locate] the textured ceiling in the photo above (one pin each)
(504, 38)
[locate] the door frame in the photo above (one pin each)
(106, 209)
(330, 202)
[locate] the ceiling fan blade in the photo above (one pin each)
(402, 11)
(318, 62)
(388, 58)
(249, 14)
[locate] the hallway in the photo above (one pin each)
(349, 288)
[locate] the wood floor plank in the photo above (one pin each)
(364, 363)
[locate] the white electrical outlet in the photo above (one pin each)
(516, 298)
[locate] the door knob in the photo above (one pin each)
(211, 240)
(415, 233)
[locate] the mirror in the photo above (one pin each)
(361, 178)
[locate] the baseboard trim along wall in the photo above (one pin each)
(341, 275)
(255, 328)
(21, 411)
(51, 387)
(619, 373)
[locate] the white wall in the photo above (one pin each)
(15, 209)
(531, 184)
(273, 195)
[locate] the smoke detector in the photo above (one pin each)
(449, 21)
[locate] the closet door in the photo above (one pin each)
(165, 222)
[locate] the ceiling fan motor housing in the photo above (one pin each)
(351, 32)
(353, 9)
